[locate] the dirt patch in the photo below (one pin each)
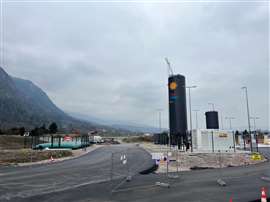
(27, 155)
(183, 161)
(137, 139)
(12, 142)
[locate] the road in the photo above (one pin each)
(23, 183)
(243, 184)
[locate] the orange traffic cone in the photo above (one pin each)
(263, 197)
(52, 160)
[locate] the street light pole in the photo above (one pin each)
(159, 118)
(230, 121)
(249, 130)
(221, 119)
(254, 121)
(196, 113)
(159, 123)
(213, 105)
(190, 115)
(255, 132)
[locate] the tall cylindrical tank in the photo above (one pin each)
(177, 109)
(212, 120)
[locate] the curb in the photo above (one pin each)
(43, 162)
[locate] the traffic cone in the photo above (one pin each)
(52, 160)
(231, 199)
(263, 197)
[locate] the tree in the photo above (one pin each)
(53, 128)
(34, 132)
(22, 131)
(44, 130)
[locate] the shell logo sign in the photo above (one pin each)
(173, 85)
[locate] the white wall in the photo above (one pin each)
(202, 140)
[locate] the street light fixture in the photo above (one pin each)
(190, 115)
(249, 130)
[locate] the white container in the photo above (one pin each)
(208, 140)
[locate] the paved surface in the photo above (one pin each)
(23, 183)
(243, 184)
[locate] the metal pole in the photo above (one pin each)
(249, 130)
(234, 142)
(254, 122)
(213, 105)
(196, 120)
(190, 115)
(196, 114)
(177, 161)
(244, 139)
(255, 131)
(159, 123)
(221, 118)
(111, 177)
(213, 147)
(159, 119)
(256, 137)
(167, 170)
(190, 119)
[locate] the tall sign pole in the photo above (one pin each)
(190, 115)
(249, 130)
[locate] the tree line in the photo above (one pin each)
(37, 131)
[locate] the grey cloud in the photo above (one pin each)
(108, 59)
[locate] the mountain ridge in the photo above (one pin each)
(22, 103)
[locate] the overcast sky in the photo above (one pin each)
(107, 59)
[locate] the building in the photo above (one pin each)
(211, 140)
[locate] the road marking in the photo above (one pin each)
(266, 178)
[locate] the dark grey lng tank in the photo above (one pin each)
(177, 109)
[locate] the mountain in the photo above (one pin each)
(22, 103)
(120, 125)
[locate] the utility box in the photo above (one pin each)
(206, 140)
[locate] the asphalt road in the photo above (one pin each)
(243, 184)
(24, 183)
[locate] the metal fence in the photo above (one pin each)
(52, 141)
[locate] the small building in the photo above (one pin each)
(211, 140)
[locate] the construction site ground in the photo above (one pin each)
(183, 161)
